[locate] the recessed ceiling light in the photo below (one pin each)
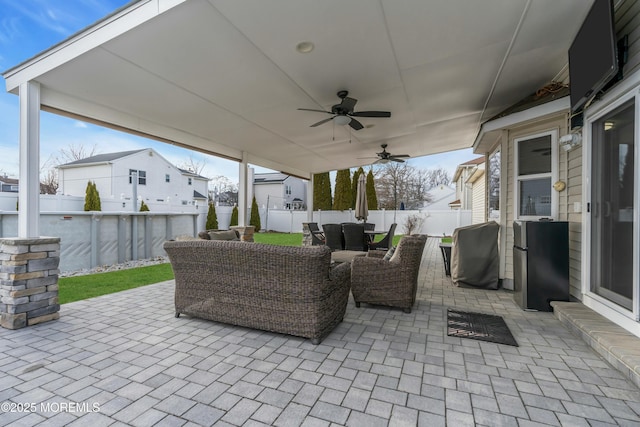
(304, 47)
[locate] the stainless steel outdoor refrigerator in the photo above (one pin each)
(540, 263)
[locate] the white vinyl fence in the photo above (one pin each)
(434, 223)
(91, 239)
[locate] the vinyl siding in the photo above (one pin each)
(558, 123)
(479, 207)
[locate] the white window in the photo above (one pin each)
(494, 185)
(189, 181)
(287, 190)
(142, 176)
(167, 178)
(535, 161)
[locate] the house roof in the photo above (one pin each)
(550, 99)
(198, 195)
(462, 166)
(7, 180)
(192, 174)
(269, 178)
(441, 69)
(101, 158)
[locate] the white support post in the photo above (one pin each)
(243, 186)
(310, 199)
(29, 187)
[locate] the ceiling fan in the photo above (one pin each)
(385, 157)
(343, 114)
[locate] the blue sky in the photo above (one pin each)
(27, 27)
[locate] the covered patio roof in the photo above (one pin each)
(225, 77)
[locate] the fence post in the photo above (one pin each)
(134, 237)
(122, 238)
(95, 220)
(148, 238)
(168, 228)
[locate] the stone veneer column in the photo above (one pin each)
(28, 281)
(307, 240)
(246, 232)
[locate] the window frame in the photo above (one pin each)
(142, 176)
(553, 175)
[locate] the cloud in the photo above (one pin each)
(80, 124)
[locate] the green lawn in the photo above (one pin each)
(77, 288)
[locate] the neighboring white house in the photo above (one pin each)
(159, 183)
(280, 191)
(471, 189)
(441, 197)
(9, 185)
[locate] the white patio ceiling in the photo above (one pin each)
(224, 76)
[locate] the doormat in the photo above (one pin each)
(479, 326)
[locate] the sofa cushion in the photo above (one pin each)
(224, 235)
(389, 253)
(204, 235)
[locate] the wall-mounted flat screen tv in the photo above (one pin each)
(592, 55)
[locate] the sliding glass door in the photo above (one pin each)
(612, 205)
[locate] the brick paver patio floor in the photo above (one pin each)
(123, 359)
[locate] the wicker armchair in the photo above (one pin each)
(393, 282)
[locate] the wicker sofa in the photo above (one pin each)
(291, 290)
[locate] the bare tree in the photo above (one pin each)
(75, 152)
(49, 182)
(194, 165)
(436, 177)
(49, 174)
(223, 190)
(400, 182)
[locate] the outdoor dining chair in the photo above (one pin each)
(387, 240)
(317, 236)
(333, 236)
(354, 237)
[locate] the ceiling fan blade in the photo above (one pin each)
(356, 125)
(317, 111)
(393, 159)
(321, 122)
(400, 155)
(347, 104)
(371, 114)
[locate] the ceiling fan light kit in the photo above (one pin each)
(342, 120)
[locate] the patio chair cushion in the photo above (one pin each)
(219, 235)
(389, 253)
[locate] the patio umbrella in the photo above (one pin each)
(362, 211)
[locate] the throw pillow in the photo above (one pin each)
(204, 235)
(389, 253)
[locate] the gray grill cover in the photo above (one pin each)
(474, 256)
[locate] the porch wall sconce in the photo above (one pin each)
(570, 141)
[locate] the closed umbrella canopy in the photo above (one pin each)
(362, 211)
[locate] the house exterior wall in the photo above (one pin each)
(559, 124)
(112, 180)
(298, 190)
(273, 193)
(73, 181)
(479, 208)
